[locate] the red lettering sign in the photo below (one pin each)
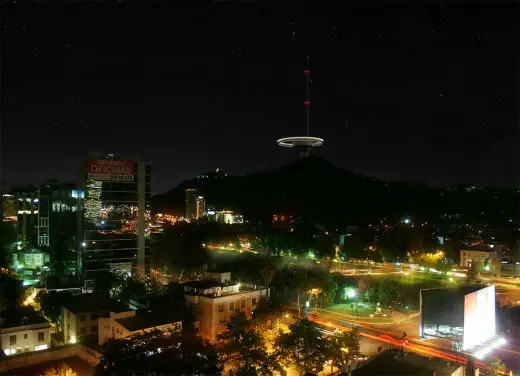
(109, 169)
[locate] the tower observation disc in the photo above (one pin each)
(304, 143)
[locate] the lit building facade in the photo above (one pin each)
(470, 256)
(27, 217)
(191, 204)
(217, 299)
(114, 216)
(58, 205)
(80, 315)
(201, 207)
(23, 330)
(9, 206)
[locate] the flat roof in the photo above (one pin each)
(396, 362)
(94, 303)
(12, 318)
(207, 284)
(459, 290)
(149, 319)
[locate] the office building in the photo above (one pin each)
(201, 207)
(191, 204)
(215, 300)
(24, 330)
(9, 206)
(58, 205)
(225, 216)
(114, 216)
(27, 218)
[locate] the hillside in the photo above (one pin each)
(317, 189)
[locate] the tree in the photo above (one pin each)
(496, 367)
(106, 282)
(159, 353)
(372, 294)
(343, 347)
(243, 350)
(180, 254)
(268, 270)
(62, 370)
(10, 291)
(304, 347)
(473, 272)
(387, 292)
(51, 302)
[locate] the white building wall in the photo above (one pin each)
(26, 339)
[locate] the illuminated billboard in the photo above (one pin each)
(479, 316)
(110, 170)
(464, 315)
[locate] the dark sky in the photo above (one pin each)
(411, 91)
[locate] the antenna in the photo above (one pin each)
(307, 102)
(304, 143)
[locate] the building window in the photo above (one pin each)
(231, 306)
(253, 301)
(221, 307)
(82, 330)
(93, 329)
(196, 330)
(41, 336)
(243, 303)
(81, 317)
(12, 340)
(93, 316)
(25, 336)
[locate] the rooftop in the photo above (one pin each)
(207, 284)
(459, 290)
(13, 317)
(395, 362)
(53, 282)
(94, 303)
(149, 319)
(216, 289)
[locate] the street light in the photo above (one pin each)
(331, 366)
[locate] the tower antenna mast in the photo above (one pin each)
(304, 143)
(307, 102)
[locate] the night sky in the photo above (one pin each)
(400, 92)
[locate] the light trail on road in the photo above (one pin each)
(411, 343)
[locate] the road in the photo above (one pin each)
(375, 336)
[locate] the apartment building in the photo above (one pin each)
(81, 313)
(124, 324)
(217, 299)
(24, 330)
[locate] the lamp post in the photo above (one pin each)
(331, 366)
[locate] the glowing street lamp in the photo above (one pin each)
(350, 293)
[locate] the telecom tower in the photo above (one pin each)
(304, 143)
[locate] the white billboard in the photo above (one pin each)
(479, 317)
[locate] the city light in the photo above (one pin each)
(350, 293)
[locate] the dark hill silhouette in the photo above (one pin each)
(316, 189)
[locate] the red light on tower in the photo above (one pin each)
(306, 71)
(307, 103)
